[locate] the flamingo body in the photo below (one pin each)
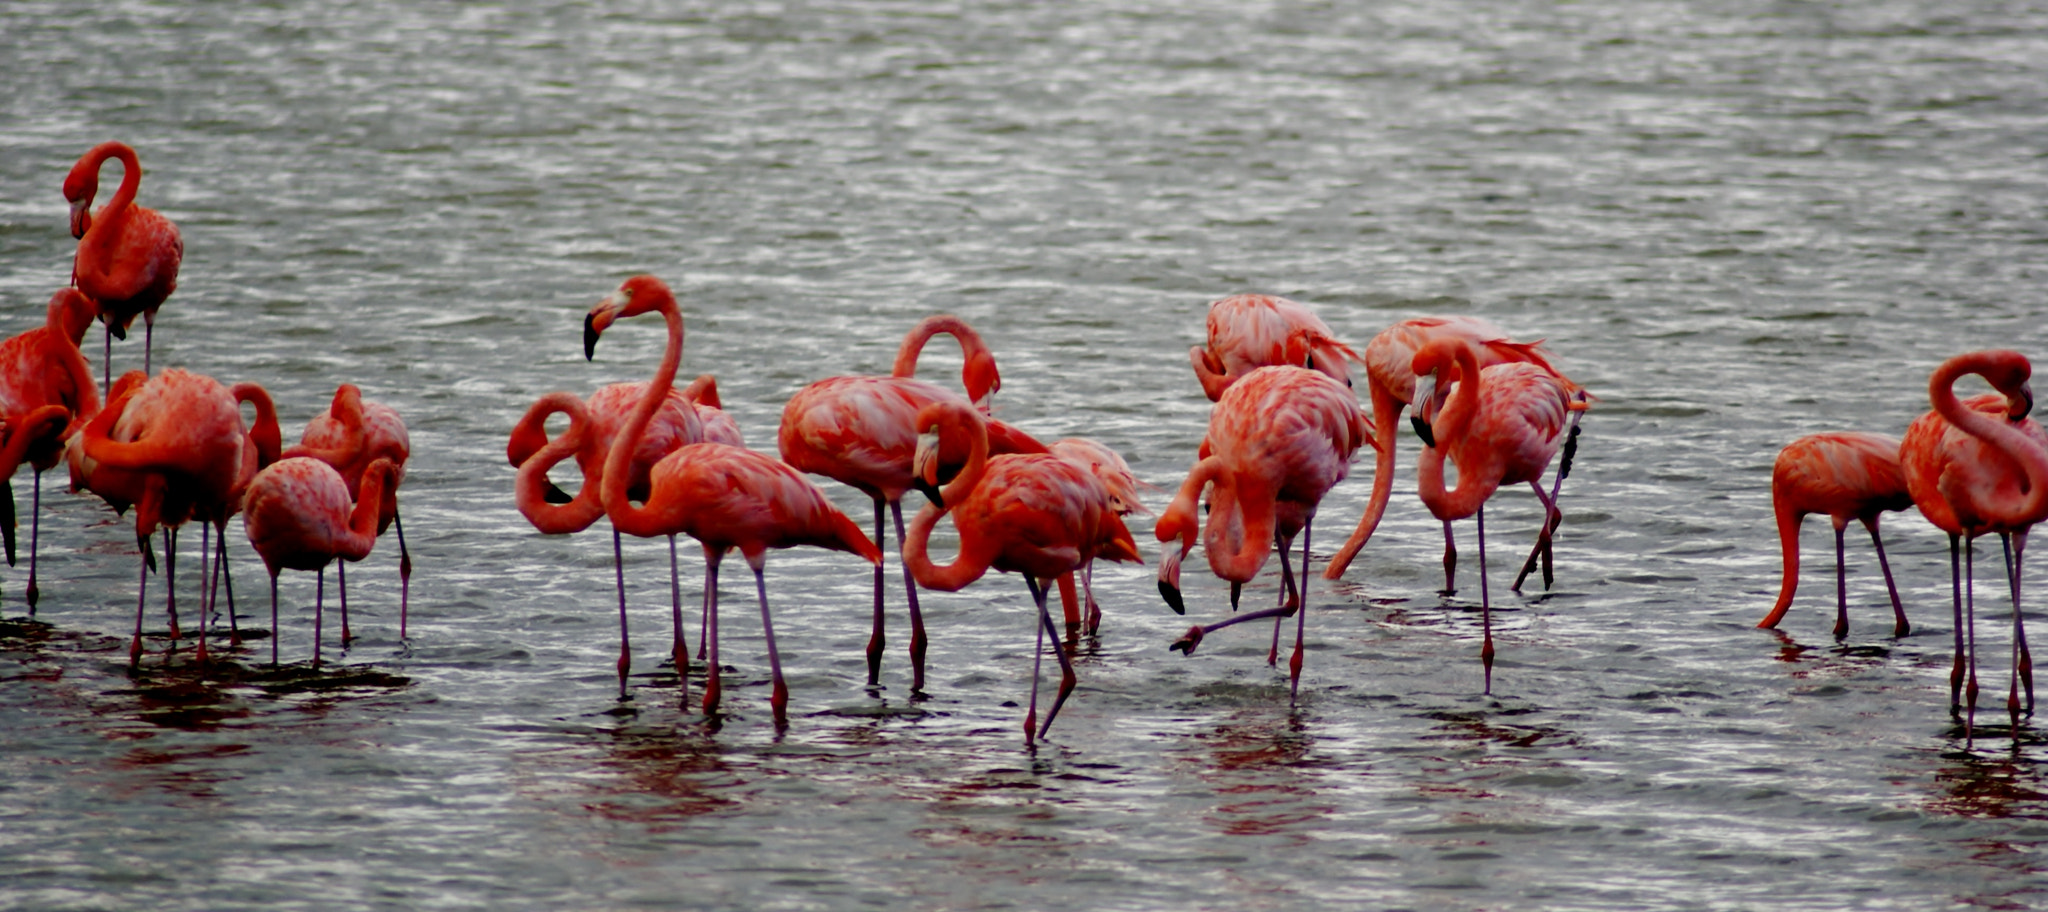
(1250, 331)
(1844, 476)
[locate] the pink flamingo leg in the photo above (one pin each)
(1450, 562)
(1553, 517)
(1485, 606)
(319, 612)
(141, 598)
(679, 648)
(341, 587)
(778, 698)
(625, 649)
(404, 576)
(1899, 625)
(35, 527)
(1301, 617)
(713, 691)
(917, 635)
(878, 640)
(1841, 585)
(205, 604)
(273, 620)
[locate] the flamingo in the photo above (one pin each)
(1973, 474)
(1038, 514)
(675, 424)
(175, 447)
(1250, 331)
(1501, 425)
(724, 496)
(349, 435)
(299, 515)
(128, 255)
(1847, 475)
(1278, 440)
(42, 369)
(859, 431)
(1115, 474)
(1390, 383)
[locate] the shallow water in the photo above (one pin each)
(1734, 222)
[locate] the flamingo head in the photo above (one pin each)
(635, 296)
(1436, 369)
(2008, 372)
(980, 376)
(70, 313)
(79, 187)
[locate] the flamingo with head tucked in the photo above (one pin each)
(1846, 475)
(1115, 474)
(128, 255)
(860, 431)
(1037, 514)
(1390, 382)
(724, 496)
(349, 435)
(300, 515)
(1250, 331)
(1501, 425)
(1278, 440)
(40, 370)
(1975, 467)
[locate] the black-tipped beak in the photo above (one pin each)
(120, 332)
(1422, 430)
(930, 491)
(589, 337)
(2026, 403)
(1236, 589)
(1171, 594)
(555, 495)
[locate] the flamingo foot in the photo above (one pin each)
(135, 652)
(35, 593)
(1188, 641)
(1486, 659)
(917, 650)
(1067, 681)
(1841, 629)
(876, 644)
(1094, 617)
(1294, 672)
(1900, 629)
(1955, 686)
(625, 665)
(712, 692)
(1030, 726)
(778, 700)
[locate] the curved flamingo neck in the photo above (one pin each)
(347, 411)
(264, 431)
(978, 367)
(2027, 454)
(617, 464)
(1247, 502)
(362, 518)
(530, 489)
(967, 566)
(117, 209)
(970, 475)
(1450, 426)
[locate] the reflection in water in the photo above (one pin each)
(2003, 785)
(659, 778)
(1263, 769)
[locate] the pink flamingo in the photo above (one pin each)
(1974, 467)
(300, 515)
(128, 255)
(1390, 382)
(1278, 440)
(860, 431)
(175, 447)
(724, 496)
(349, 435)
(675, 424)
(42, 369)
(1501, 425)
(1037, 514)
(1115, 474)
(1250, 331)
(1846, 475)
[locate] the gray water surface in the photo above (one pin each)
(1734, 222)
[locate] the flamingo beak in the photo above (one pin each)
(2019, 407)
(1169, 580)
(81, 217)
(590, 334)
(924, 467)
(1425, 393)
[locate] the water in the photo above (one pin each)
(1735, 222)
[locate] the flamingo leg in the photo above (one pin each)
(918, 642)
(713, 691)
(148, 337)
(1300, 618)
(1485, 606)
(1841, 585)
(1545, 537)
(2022, 660)
(7, 517)
(205, 600)
(679, 649)
(1070, 601)
(227, 584)
(1067, 680)
(341, 587)
(404, 575)
(625, 648)
(141, 598)
(1970, 634)
(1450, 562)
(171, 579)
(273, 620)
(778, 697)
(1286, 595)
(1899, 625)
(1955, 575)
(319, 612)
(1087, 590)
(1037, 662)
(878, 640)
(35, 528)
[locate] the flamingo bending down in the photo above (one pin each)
(299, 515)
(1845, 475)
(42, 369)
(175, 447)
(1501, 425)
(1390, 382)
(1974, 467)
(724, 496)
(1250, 331)
(1278, 440)
(349, 435)
(860, 431)
(128, 255)
(1038, 514)
(1109, 468)
(675, 424)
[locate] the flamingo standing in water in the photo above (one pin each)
(1979, 466)
(724, 496)
(1038, 514)
(349, 435)
(675, 424)
(1250, 331)
(1390, 383)
(1279, 439)
(174, 446)
(300, 515)
(1501, 425)
(128, 255)
(860, 431)
(40, 370)
(1846, 475)
(1109, 468)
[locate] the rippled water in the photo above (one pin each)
(1735, 222)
